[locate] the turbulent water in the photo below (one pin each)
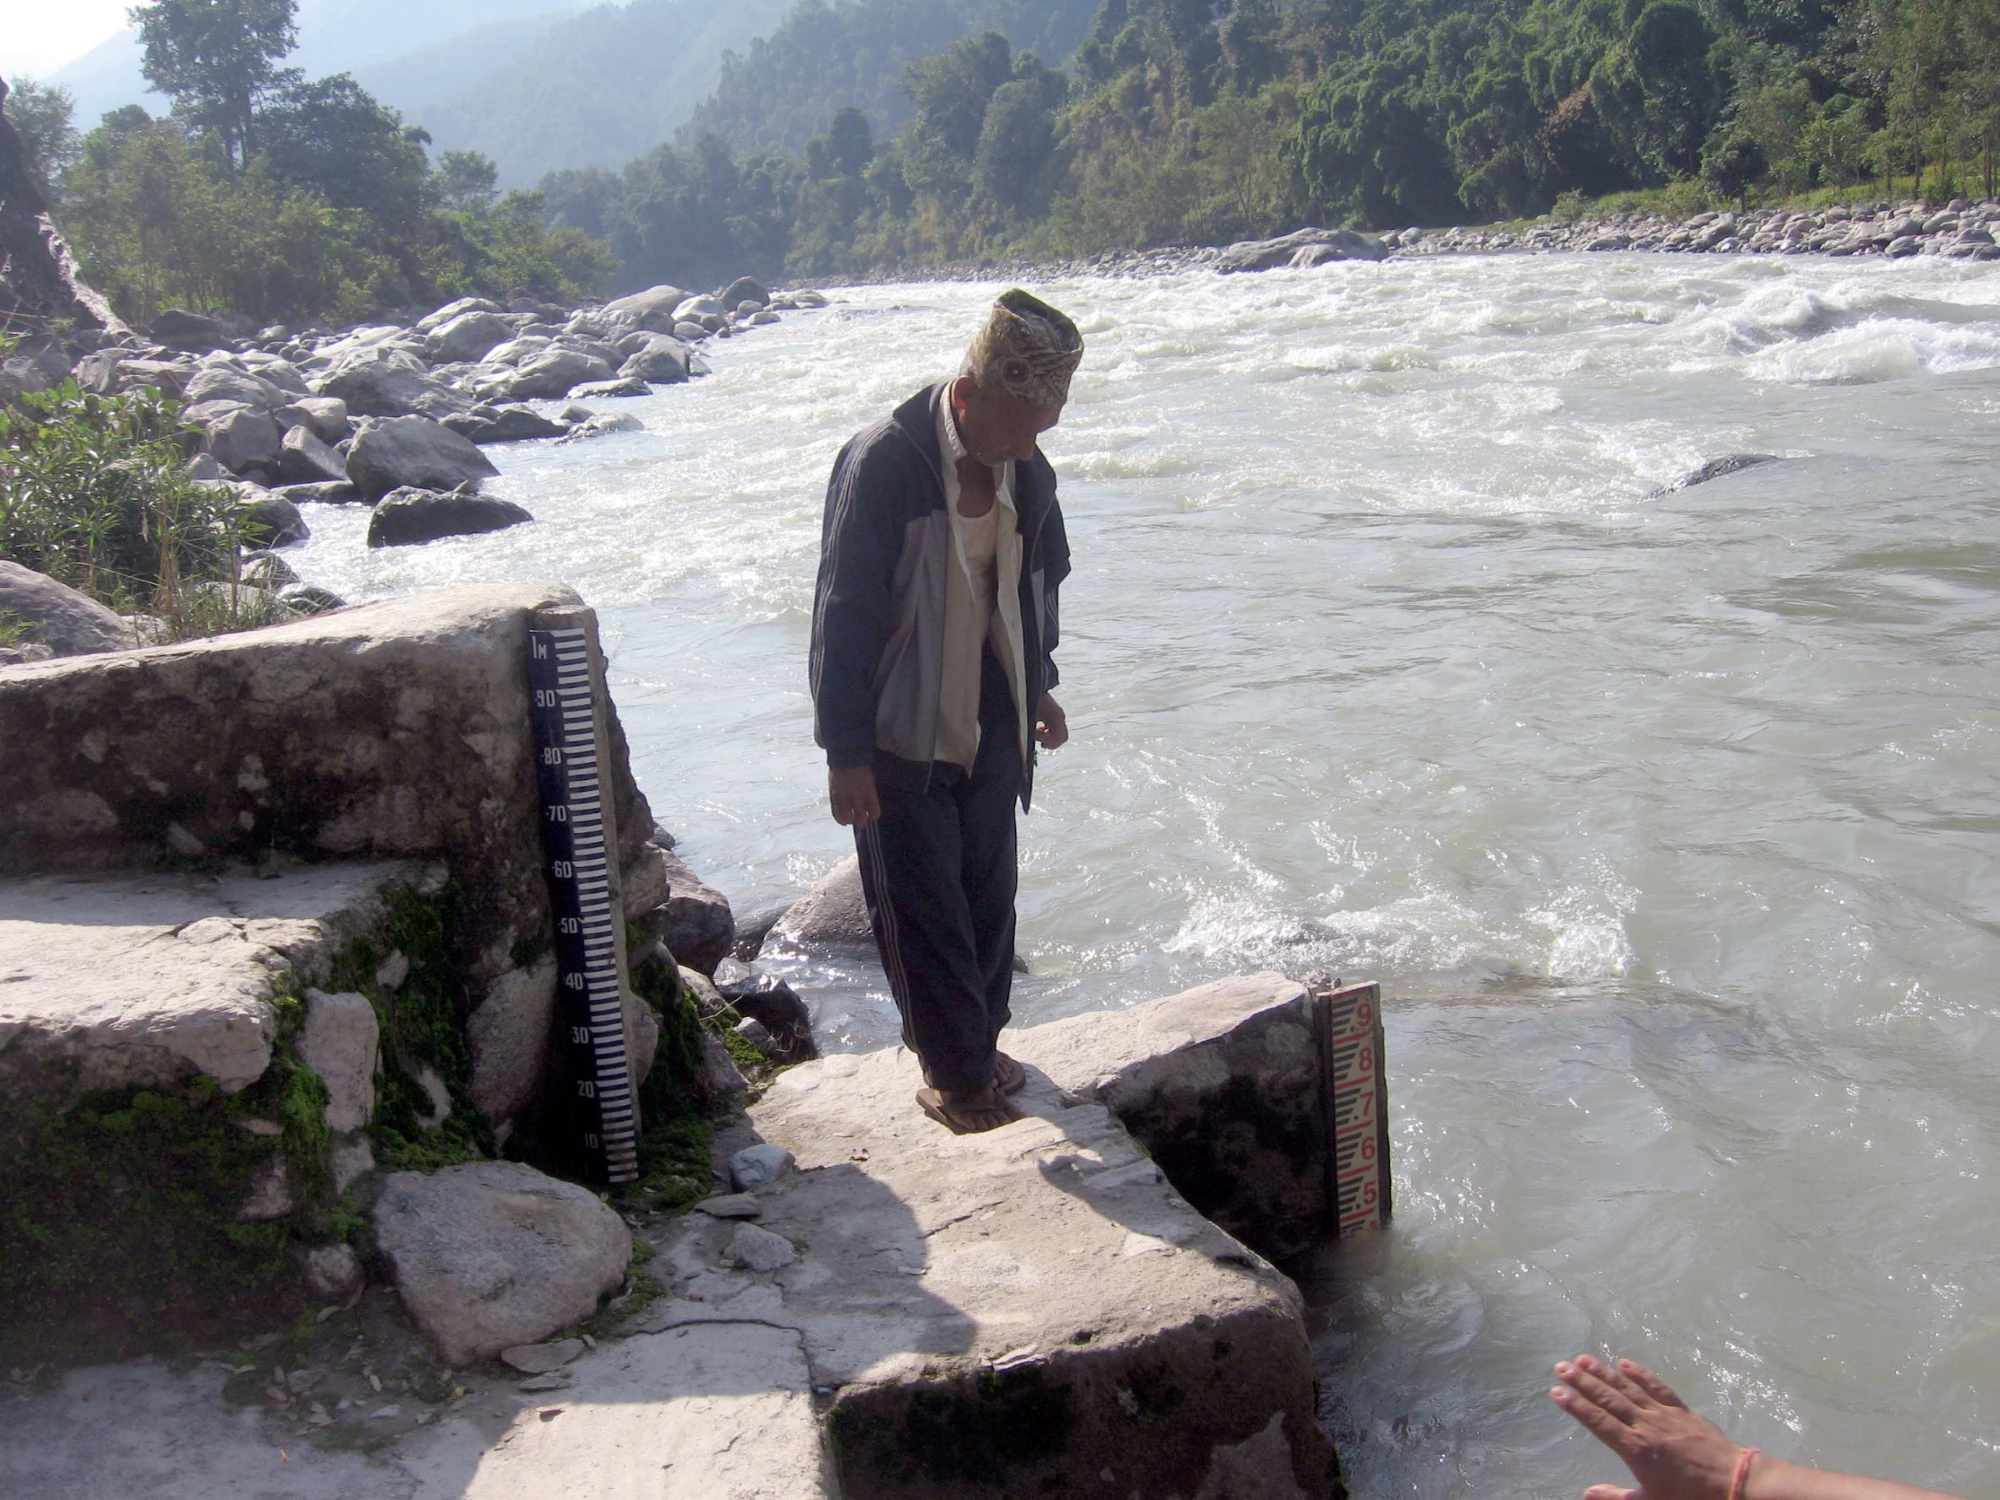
(1668, 819)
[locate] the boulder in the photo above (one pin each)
(246, 441)
(661, 360)
(330, 492)
(744, 289)
(693, 921)
(688, 331)
(325, 417)
(408, 517)
(515, 350)
(57, 616)
(179, 329)
(304, 459)
(377, 382)
(696, 308)
(504, 424)
(452, 312)
(832, 917)
(468, 337)
(491, 1254)
(1334, 244)
(397, 452)
(652, 309)
(624, 385)
(754, 1166)
(602, 425)
(271, 520)
(221, 383)
(555, 372)
(776, 1006)
(757, 911)
(338, 1041)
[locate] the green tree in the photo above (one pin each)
(215, 59)
(42, 116)
(850, 142)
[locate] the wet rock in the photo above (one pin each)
(744, 289)
(504, 424)
(409, 517)
(303, 458)
(1716, 468)
(327, 492)
(777, 1008)
(694, 921)
(623, 385)
(488, 1255)
(414, 452)
(757, 911)
(1325, 244)
(67, 622)
(833, 915)
(603, 425)
(339, 1042)
(271, 520)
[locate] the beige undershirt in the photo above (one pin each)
(982, 601)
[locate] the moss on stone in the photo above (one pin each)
(423, 1026)
(118, 1216)
(673, 1139)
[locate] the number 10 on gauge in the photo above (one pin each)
(575, 852)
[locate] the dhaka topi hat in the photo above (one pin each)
(1027, 349)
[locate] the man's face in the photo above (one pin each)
(996, 426)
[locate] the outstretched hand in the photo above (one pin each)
(1673, 1452)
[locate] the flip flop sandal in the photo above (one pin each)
(931, 1102)
(1017, 1076)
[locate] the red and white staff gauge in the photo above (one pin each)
(1354, 1094)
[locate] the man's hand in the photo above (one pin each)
(1051, 728)
(851, 791)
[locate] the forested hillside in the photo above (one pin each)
(1189, 121)
(785, 90)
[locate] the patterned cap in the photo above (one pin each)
(1027, 349)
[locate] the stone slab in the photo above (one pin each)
(1042, 1280)
(109, 980)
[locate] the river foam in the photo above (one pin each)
(1668, 819)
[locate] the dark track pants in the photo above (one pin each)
(939, 873)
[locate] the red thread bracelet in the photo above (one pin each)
(1742, 1473)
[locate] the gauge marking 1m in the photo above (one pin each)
(575, 852)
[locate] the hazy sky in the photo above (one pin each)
(39, 36)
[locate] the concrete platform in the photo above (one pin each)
(1031, 1312)
(109, 980)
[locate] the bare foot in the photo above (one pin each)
(968, 1111)
(1009, 1077)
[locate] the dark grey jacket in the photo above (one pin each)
(878, 612)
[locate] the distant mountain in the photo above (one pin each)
(600, 88)
(785, 90)
(335, 36)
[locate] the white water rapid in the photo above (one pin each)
(1668, 821)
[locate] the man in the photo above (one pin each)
(934, 624)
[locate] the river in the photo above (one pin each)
(1668, 820)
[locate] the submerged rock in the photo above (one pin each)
(1315, 245)
(1716, 468)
